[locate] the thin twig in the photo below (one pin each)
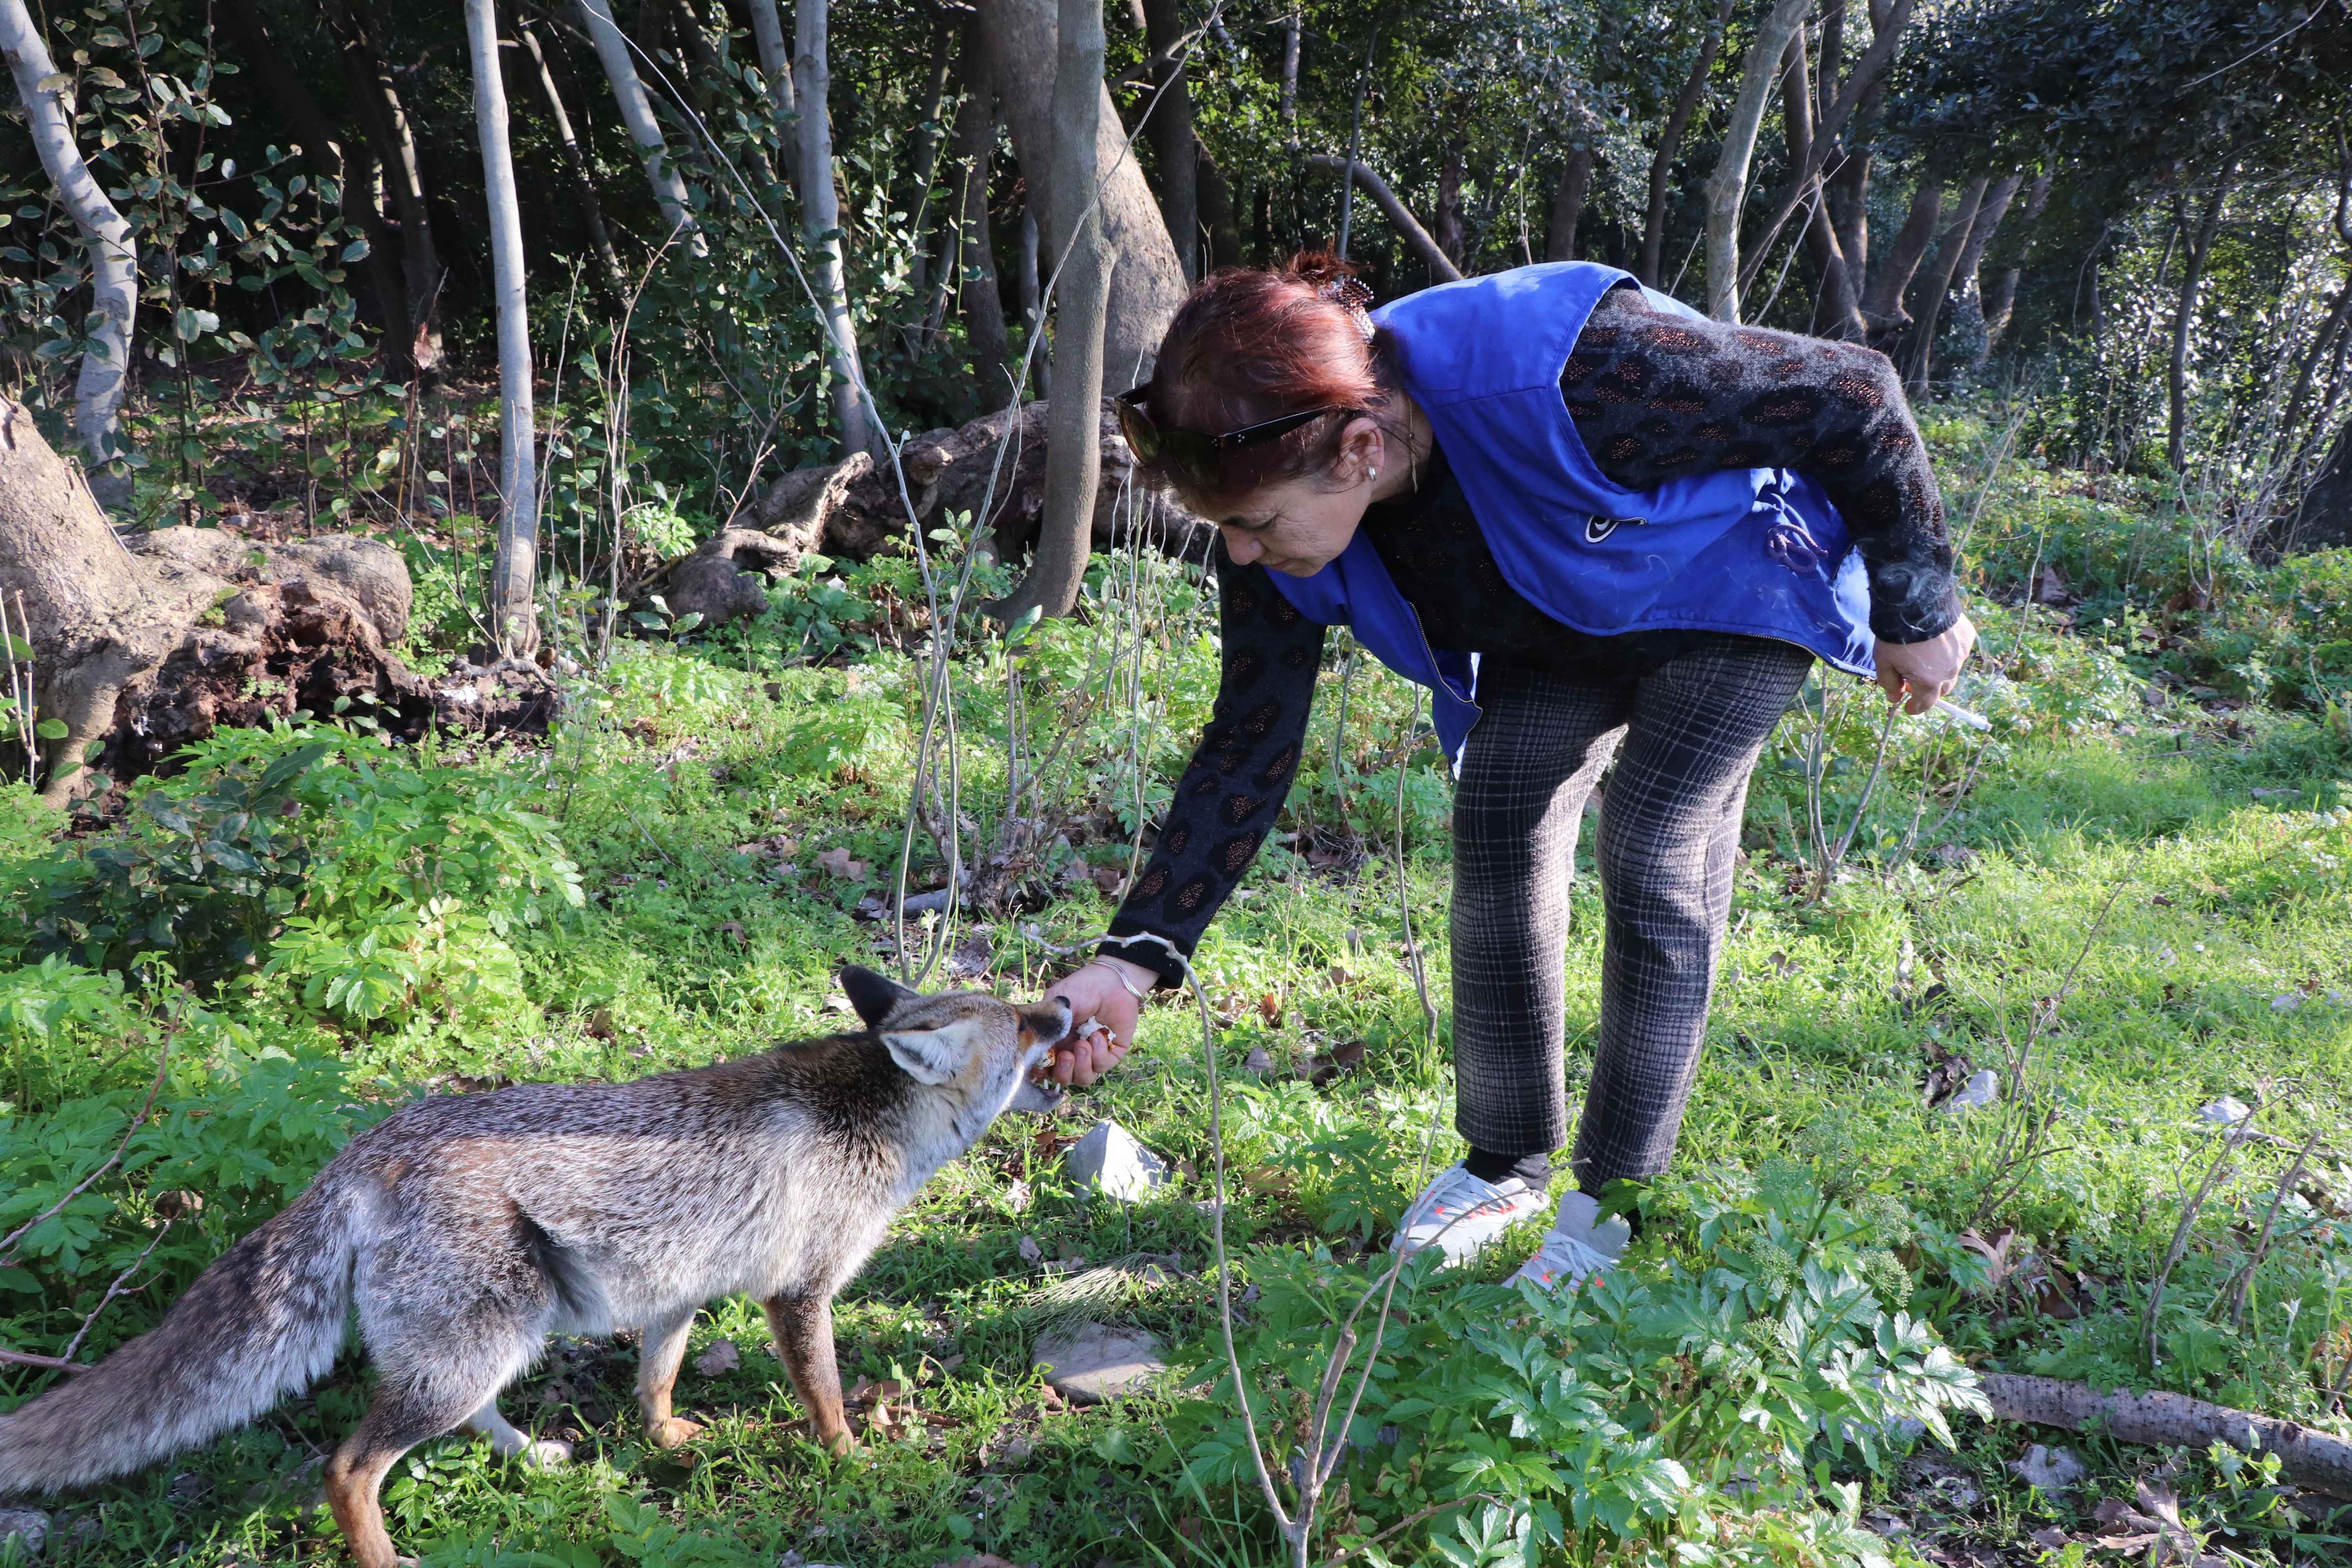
(113, 1290)
(171, 1032)
(2242, 1284)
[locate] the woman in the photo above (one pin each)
(1610, 537)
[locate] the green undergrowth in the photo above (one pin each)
(2131, 902)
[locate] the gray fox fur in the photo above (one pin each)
(466, 1229)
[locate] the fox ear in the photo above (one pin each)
(935, 1056)
(873, 995)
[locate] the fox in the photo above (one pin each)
(463, 1230)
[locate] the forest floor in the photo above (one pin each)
(2152, 887)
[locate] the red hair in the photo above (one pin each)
(1253, 344)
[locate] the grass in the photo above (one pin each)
(685, 781)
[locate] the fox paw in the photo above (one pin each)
(677, 1429)
(546, 1454)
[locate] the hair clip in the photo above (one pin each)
(1353, 295)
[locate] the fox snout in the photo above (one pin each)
(1041, 1028)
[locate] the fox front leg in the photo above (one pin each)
(664, 1347)
(804, 1328)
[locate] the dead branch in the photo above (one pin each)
(2161, 1419)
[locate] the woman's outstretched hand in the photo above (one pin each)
(1917, 673)
(1099, 995)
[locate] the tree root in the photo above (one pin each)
(2310, 1458)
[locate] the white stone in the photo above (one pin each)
(2226, 1111)
(1109, 1161)
(1980, 1091)
(1095, 1362)
(26, 1526)
(2052, 1470)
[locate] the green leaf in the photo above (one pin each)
(50, 729)
(356, 251)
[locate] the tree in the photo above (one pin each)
(821, 226)
(1726, 188)
(1074, 424)
(1669, 144)
(637, 113)
(1146, 283)
(1170, 129)
(978, 299)
(514, 569)
(105, 376)
(392, 143)
(583, 183)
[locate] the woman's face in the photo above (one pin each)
(1299, 526)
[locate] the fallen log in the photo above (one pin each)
(2310, 1458)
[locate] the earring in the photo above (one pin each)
(1372, 476)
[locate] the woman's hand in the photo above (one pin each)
(1917, 673)
(1099, 994)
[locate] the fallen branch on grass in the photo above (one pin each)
(2309, 1459)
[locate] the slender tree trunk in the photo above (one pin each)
(1837, 311)
(1567, 205)
(1033, 294)
(637, 113)
(364, 198)
(1416, 238)
(1670, 144)
(514, 569)
(1920, 358)
(584, 184)
(384, 118)
(776, 75)
(1074, 422)
(2184, 317)
(821, 225)
(1146, 283)
(1450, 235)
(1217, 221)
(1287, 108)
(925, 161)
(1882, 303)
(2339, 312)
(2001, 298)
(975, 149)
(1173, 138)
(104, 378)
(1971, 307)
(1726, 188)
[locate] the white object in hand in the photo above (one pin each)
(1972, 720)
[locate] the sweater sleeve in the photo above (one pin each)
(1658, 397)
(1231, 792)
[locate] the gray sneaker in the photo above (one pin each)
(1580, 1245)
(1459, 1214)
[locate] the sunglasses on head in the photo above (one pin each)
(1192, 456)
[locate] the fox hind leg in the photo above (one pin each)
(663, 1348)
(406, 1411)
(804, 1328)
(508, 1442)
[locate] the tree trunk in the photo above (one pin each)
(1217, 220)
(1450, 235)
(1567, 205)
(982, 304)
(1033, 299)
(384, 119)
(1401, 219)
(1146, 283)
(1173, 138)
(1920, 357)
(821, 226)
(1286, 110)
(637, 114)
(514, 569)
(1881, 304)
(584, 184)
(105, 376)
(1074, 422)
(1726, 188)
(2324, 519)
(1837, 312)
(926, 162)
(2338, 311)
(2184, 316)
(2309, 1459)
(1970, 309)
(776, 75)
(2001, 298)
(1670, 144)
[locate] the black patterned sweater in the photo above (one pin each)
(1653, 397)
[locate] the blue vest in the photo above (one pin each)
(1755, 551)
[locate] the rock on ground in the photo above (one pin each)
(27, 1527)
(1096, 1363)
(2052, 1470)
(1109, 1161)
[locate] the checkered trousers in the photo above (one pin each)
(1684, 733)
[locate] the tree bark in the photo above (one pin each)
(514, 569)
(637, 113)
(2307, 371)
(821, 226)
(1032, 297)
(1920, 357)
(1286, 110)
(2184, 316)
(1173, 137)
(978, 298)
(1146, 283)
(1074, 422)
(1726, 188)
(384, 119)
(1567, 205)
(1217, 220)
(2159, 1419)
(1450, 235)
(926, 162)
(104, 378)
(1417, 238)
(1881, 304)
(584, 184)
(1980, 235)
(1837, 312)
(2001, 298)
(1670, 144)
(776, 75)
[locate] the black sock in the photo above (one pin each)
(1535, 1169)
